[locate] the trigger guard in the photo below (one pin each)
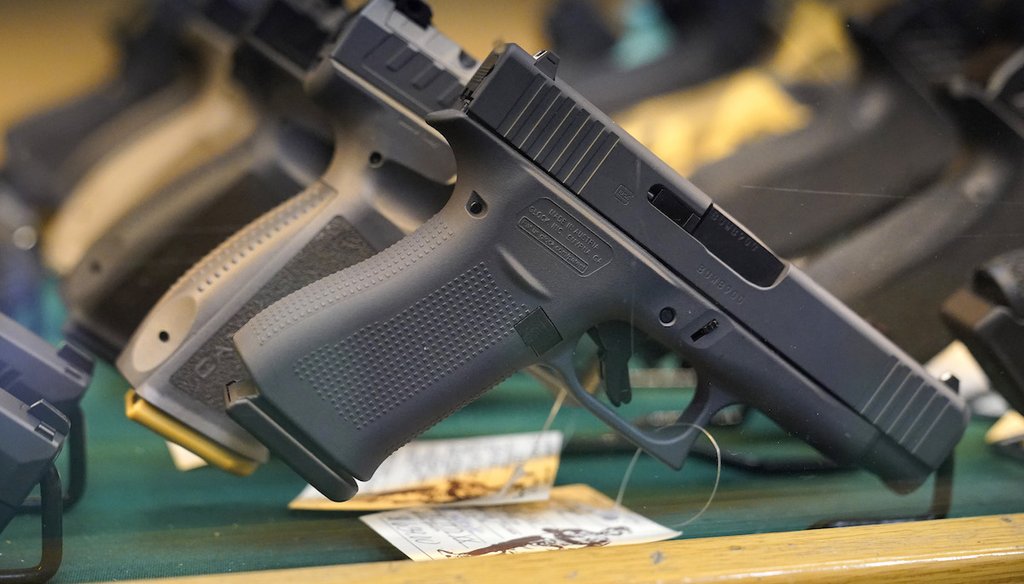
(708, 400)
(560, 362)
(670, 444)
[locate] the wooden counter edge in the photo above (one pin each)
(976, 549)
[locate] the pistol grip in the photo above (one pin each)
(218, 118)
(180, 358)
(373, 355)
(48, 152)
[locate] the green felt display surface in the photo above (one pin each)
(141, 518)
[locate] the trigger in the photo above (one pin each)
(614, 348)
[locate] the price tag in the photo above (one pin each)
(575, 516)
(486, 470)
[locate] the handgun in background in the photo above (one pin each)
(387, 68)
(40, 389)
(897, 271)
(217, 117)
(31, 437)
(33, 372)
(878, 133)
(31, 369)
(139, 257)
(561, 221)
(49, 152)
(988, 317)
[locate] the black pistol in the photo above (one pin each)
(560, 223)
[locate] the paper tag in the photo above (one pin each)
(1009, 429)
(463, 471)
(184, 459)
(575, 516)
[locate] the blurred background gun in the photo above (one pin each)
(898, 270)
(48, 152)
(31, 370)
(387, 68)
(31, 437)
(40, 391)
(217, 116)
(616, 71)
(142, 254)
(988, 317)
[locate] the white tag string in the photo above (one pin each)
(517, 472)
(714, 490)
(718, 477)
(555, 408)
(627, 476)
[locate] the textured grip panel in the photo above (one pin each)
(258, 233)
(383, 364)
(361, 277)
(336, 247)
(148, 251)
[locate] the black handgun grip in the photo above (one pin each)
(319, 232)
(988, 317)
(1001, 280)
(49, 151)
(163, 343)
(403, 339)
